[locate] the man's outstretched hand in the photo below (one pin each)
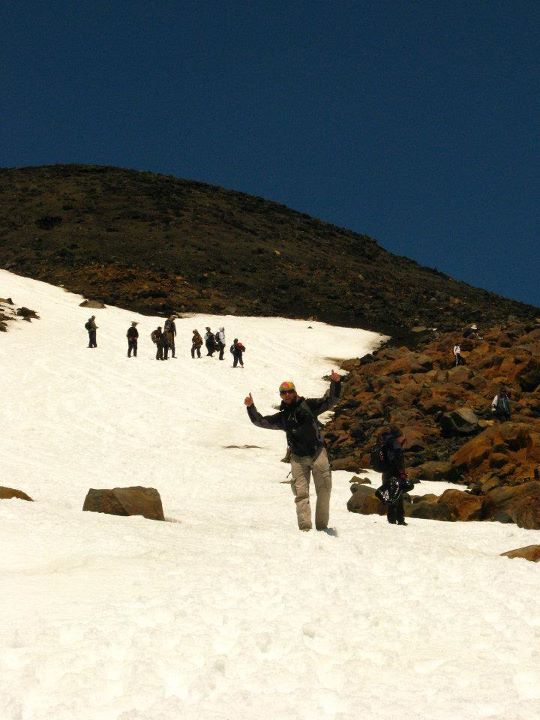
(248, 401)
(335, 377)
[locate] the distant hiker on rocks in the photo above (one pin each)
(91, 326)
(169, 331)
(220, 342)
(394, 477)
(500, 405)
(132, 338)
(196, 344)
(237, 350)
(210, 342)
(297, 416)
(457, 355)
(159, 341)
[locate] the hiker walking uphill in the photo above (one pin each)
(132, 338)
(500, 405)
(394, 477)
(457, 355)
(210, 342)
(297, 416)
(159, 341)
(237, 350)
(220, 342)
(196, 344)
(169, 332)
(91, 326)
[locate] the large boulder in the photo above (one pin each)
(428, 510)
(529, 376)
(462, 505)
(364, 501)
(93, 304)
(462, 421)
(530, 552)
(433, 470)
(526, 512)
(125, 501)
(9, 493)
(508, 503)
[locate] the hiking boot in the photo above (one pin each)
(401, 522)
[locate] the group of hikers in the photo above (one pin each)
(164, 338)
(298, 418)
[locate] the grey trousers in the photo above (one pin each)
(302, 468)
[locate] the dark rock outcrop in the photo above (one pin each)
(125, 501)
(530, 552)
(7, 493)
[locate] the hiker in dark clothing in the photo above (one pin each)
(210, 342)
(394, 477)
(91, 327)
(196, 343)
(457, 355)
(220, 342)
(500, 405)
(237, 350)
(297, 416)
(132, 337)
(169, 331)
(159, 341)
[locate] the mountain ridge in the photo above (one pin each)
(159, 244)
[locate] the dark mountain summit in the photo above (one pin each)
(157, 244)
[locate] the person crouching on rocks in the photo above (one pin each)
(132, 338)
(297, 416)
(500, 405)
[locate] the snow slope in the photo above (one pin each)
(227, 612)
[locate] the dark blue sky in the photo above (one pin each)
(416, 122)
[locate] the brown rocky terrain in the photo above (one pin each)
(157, 244)
(445, 415)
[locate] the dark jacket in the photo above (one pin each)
(132, 333)
(299, 420)
(394, 456)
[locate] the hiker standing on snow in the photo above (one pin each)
(237, 350)
(220, 342)
(92, 328)
(159, 342)
(169, 331)
(132, 337)
(210, 342)
(297, 416)
(394, 477)
(196, 343)
(457, 355)
(500, 405)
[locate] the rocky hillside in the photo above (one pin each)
(158, 244)
(445, 415)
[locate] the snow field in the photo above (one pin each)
(228, 611)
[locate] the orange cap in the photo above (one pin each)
(287, 385)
